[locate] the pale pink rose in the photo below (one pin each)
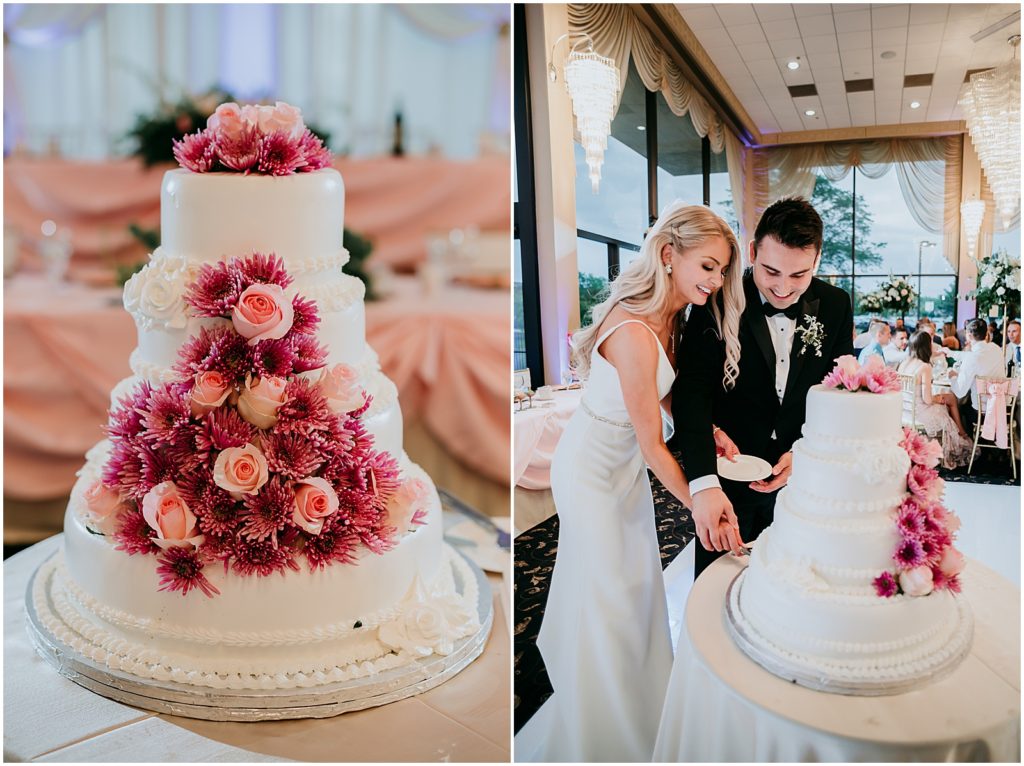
(210, 391)
(262, 313)
(227, 121)
(340, 386)
(315, 500)
(259, 402)
(241, 470)
(917, 581)
(408, 505)
(166, 511)
(952, 562)
(104, 507)
(251, 115)
(281, 117)
(921, 449)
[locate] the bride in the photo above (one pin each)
(605, 636)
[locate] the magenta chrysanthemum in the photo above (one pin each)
(885, 585)
(267, 512)
(262, 558)
(379, 471)
(305, 316)
(909, 553)
(240, 152)
(334, 545)
(215, 291)
(168, 418)
(181, 569)
(125, 420)
(220, 349)
(134, 535)
(158, 466)
(221, 429)
(309, 354)
(123, 469)
(265, 270)
(910, 519)
(306, 409)
(274, 358)
(196, 152)
(291, 455)
(314, 152)
(279, 155)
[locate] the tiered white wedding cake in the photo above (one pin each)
(251, 521)
(851, 589)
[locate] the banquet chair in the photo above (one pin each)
(990, 390)
(908, 384)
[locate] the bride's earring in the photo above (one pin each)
(668, 269)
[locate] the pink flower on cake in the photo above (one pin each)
(340, 387)
(910, 519)
(952, 562)
(925, 483)
(260, 400)
(846, 374)
(917, 581)
(227, 121)
(262, 313)
(209, 392)
(165, 510)
(885, 585)
(104, 506)
(240, 470)
(878, 378)
(281, 117)
(909, 553)
(921, 449)
(279, 155)
(317, 156)
(315, 500)
(181, 569)
(239, 152)
(196, 152)
(408, 506)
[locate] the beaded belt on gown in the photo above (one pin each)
(609, 421)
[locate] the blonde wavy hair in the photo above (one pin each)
(645, 288)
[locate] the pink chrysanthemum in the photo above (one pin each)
(334, 545)
(925, 483)
(215, 291)
(317, 156)
(305, 316)
(134, 535)
(168, 418)
(274, 358)
(221, 429)
(262, 558)
(123, 469)
(909, 553)
(196, 152)
(218, 547)
(886, 585)
(921, 449)
(877, 378)
(240, 152)
(309, 354)
(263, 269)
(279, 155)
(911, 519)
(291, 455)
(158, 466)
(932, 548)
(181, 569)
(267, 512)
(381, 476)
(306, 409)
(220, 349)
(125, 420)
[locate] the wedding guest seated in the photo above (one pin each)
(860, 340)
(982, 359)
(938, 414)
(880, 336)
(949, 339)
(901, 325)
(896, 351)
(994, 336)
(1011, 353)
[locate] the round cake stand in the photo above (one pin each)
(779, 666)
(261, 705)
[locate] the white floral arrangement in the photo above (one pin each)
(998, 282)
(896, 295)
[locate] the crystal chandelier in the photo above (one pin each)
(991, 104)
(972, 212)
(593, 84)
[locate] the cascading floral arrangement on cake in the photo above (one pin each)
(852, 588)
(251, 520)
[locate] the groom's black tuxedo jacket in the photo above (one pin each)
(751, 412)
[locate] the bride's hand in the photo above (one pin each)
(725, 446)
(712, 509)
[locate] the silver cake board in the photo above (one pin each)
(787, 671)
(210, 704)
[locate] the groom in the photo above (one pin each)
(792, 330)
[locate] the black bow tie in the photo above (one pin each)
(793, 312)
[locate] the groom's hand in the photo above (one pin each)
(780, 475)
(710, 509)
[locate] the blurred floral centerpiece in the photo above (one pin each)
(896, 296)
(998, 284)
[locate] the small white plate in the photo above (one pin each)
(746, 468)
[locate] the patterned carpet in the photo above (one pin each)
(534, 559)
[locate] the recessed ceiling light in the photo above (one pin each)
(809, 112)
(915, 104)
(888, 54)
(641, 127)
(793, 64)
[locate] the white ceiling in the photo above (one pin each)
(750, 44)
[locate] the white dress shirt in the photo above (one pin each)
(984, 359)
(893, 356)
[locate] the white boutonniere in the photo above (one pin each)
(812, 333)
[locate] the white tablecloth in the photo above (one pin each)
(49, 718)
(722, 706)
(537, 431)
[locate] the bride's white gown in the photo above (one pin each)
(605, 636)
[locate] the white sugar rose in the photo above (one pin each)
(429, 628)
(158, 291)
(881, 464)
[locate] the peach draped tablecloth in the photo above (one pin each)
(394, 202)
(66, 347)
(537, 431)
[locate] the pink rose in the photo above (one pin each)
(165, 511)
(952, 562)
(917, 581)
(281, 117)
(340, 386)
(258, 403)
(408, 505)
(227, 121)
(262, 313)
(240, 470)
(921, 449)
(315, 500)
(104, 506)
(845, 374)
(209, 392)
(251, 115)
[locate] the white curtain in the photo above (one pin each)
(77, 76)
